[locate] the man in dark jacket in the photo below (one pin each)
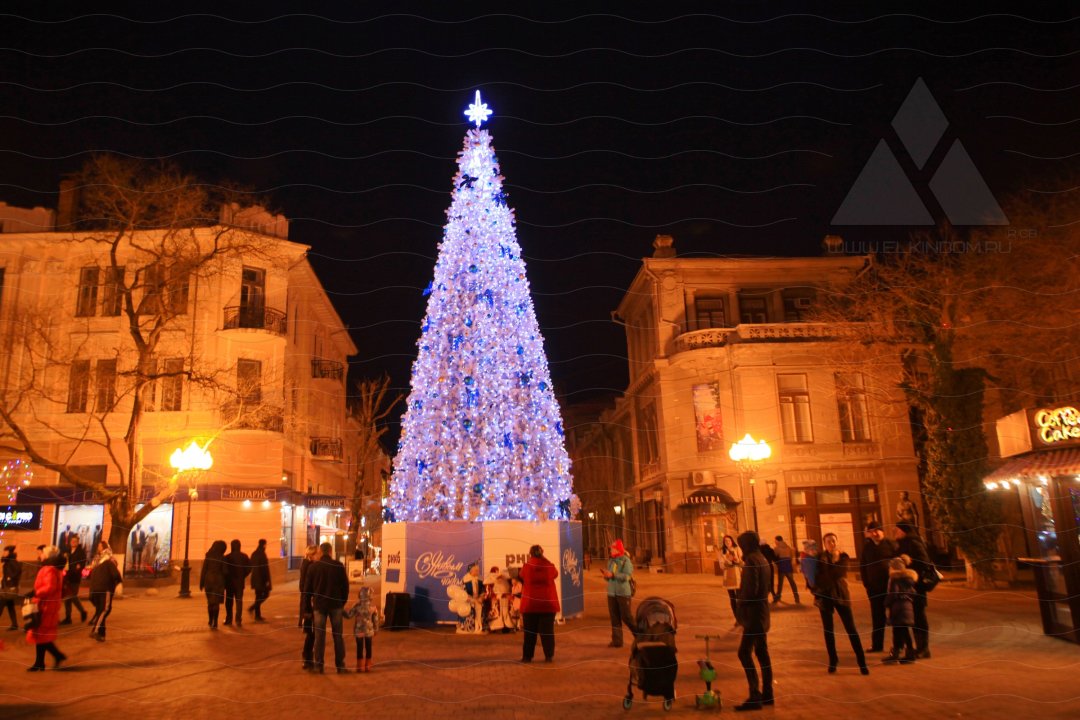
(874, 573)
(752, 609)
(9, 586)
(327, 585)
(104, 579)
(909, 543)
(260, 580)
(74, 560)
(237, 567)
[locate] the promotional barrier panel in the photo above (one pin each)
(571, 583)
(437, 555)
(424, 559)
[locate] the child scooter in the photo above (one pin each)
(710, 700)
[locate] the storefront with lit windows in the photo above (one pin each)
(1042, 446)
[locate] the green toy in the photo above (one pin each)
(710, 700)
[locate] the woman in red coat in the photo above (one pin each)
(47, 591)
(539, 603)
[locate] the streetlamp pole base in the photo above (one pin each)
(185, 581)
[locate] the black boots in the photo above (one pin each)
(756, 701)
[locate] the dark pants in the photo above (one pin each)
(618, 607)
(102, 602)
(877, 618)
(71, 597)
(260, 598)
(213, 610)
(780, 575)
(234, 599)
(39, 653)
(827, 607)
(309, 640)
(733, 597)
(363, 645)
(922, 625)
(334, 615)
(10, 605)
(542, 624)
(901, 639)
(756, 644)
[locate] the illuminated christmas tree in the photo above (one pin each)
(482, 436)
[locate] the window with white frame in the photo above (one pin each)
(86, 306)
(794, 396)
(852, 406)
(78, 386)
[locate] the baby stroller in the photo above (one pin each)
(653, 666)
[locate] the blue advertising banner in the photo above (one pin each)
(438, 554)
(571, 569)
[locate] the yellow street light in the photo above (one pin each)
(194, 458)
(748, 455)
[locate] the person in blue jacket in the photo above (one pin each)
(618, 572)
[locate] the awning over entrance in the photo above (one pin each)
(709, 496)
(1047, 462)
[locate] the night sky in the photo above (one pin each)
(737, 127)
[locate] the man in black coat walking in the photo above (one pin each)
(327, 585)
(752, 611)
(874, 572)
(908, 542)
(104, 579)
(74, 560)
(237, 567)
(9, 586)
(260, 580)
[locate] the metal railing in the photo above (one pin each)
(331, 369)
(259, 318)
(326, 448)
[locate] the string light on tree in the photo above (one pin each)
(15, 474)
(482, 435)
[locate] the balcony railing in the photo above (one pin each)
(330, 369)
(259, 318)
(326, 448)
(257, 416)
(762, 332)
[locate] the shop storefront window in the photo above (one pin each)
(798, 497)
(150, 543)
(833, 496)
(83, 521)
(1045, 530)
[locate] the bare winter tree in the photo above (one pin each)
(964, 311)
(148, 237)
(369, 408)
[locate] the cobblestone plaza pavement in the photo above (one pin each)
(990, 660)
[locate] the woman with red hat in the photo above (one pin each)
(618, 572)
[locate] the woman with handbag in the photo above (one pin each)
(831, 595)
(47, 592)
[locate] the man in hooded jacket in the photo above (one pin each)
(752, 606)
(237, 568)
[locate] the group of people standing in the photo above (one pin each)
(223, 578)
(892, 573)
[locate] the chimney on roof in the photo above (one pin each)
(664, 246)
(67, 205)
(833, 244)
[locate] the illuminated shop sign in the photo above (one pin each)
(20, 517)
(1056, 427)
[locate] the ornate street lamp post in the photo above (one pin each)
(748, 455)
(192, 459)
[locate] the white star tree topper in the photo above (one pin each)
(478, 112)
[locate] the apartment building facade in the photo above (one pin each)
(719, 348)
(250, 362)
